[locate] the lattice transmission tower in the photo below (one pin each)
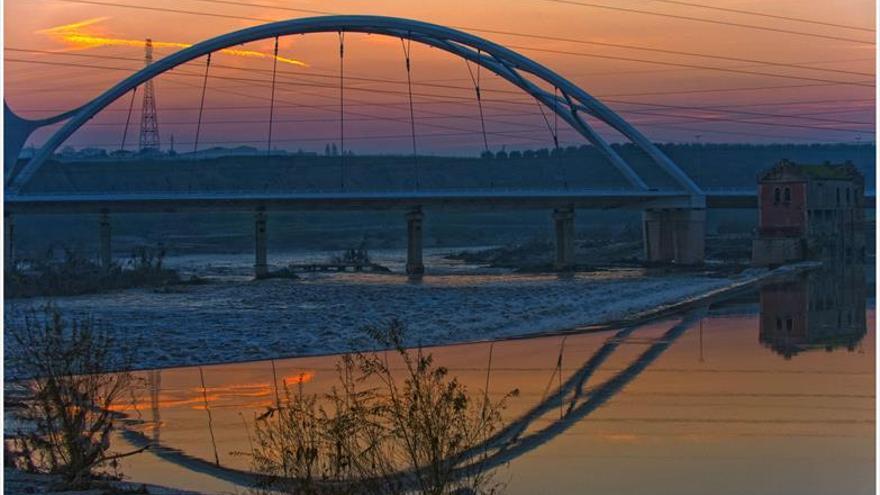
(149, 140)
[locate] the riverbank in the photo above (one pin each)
(15, 481)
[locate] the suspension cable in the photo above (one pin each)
(128, 119)
(556, 117)
(341, 110)
(476, 81)
(201, 107)
(547, 122)
(554, 129)
(556, 133)
(272, 98)
(407, 50)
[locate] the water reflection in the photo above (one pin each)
(629, 411)
(823, 309)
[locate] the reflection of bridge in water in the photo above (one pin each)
(578, 401)
(576, 398)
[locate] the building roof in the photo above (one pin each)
(785, 170)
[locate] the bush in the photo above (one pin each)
(375, 433)
(76, 275)
(70, 396)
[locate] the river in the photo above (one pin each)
(771, 391)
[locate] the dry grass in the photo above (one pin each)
(67, 411)
(377, 433)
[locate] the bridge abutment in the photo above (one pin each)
(105, 247)
(563, 219)
(8, 242)
(261, 246)
(414, 265)
(674, 235)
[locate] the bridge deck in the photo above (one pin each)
(507, 199)
(34, 203)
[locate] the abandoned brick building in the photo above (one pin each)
(810, 212)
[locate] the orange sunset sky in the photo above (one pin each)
(709, 70)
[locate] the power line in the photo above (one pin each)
(718, 90)
(445, 116)
(598, 6)
(298, 74)
(164, 9)
(448, 97)
(764, 14)
(466, 133)
(740, 112)
(258, 19)
(393, 103)
(386, 91)
(748, 122)
(585, 42)
(692, 66)
(666, 51)
(706, 20)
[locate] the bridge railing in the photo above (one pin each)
(267, 192)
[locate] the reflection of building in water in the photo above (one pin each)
(821, 310)
(810, 211)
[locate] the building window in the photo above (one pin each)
(787, 196)
(847, 196)
(788, 325)
(776, 195)
(778, 323)
(838, 196)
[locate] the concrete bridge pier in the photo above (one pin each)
(8, 242)
(675, 235)
(261, 267)
(414, 265)
(563, 218)
(105, 251)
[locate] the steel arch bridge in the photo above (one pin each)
(570, 104)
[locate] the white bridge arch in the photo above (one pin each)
(506, 63)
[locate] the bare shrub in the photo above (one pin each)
(378, 433)
(69, 396)
(76, 274)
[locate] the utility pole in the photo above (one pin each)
(149, 140)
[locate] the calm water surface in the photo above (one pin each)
(772, 393)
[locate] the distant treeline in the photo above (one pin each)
(718, 164)
(710, 165)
